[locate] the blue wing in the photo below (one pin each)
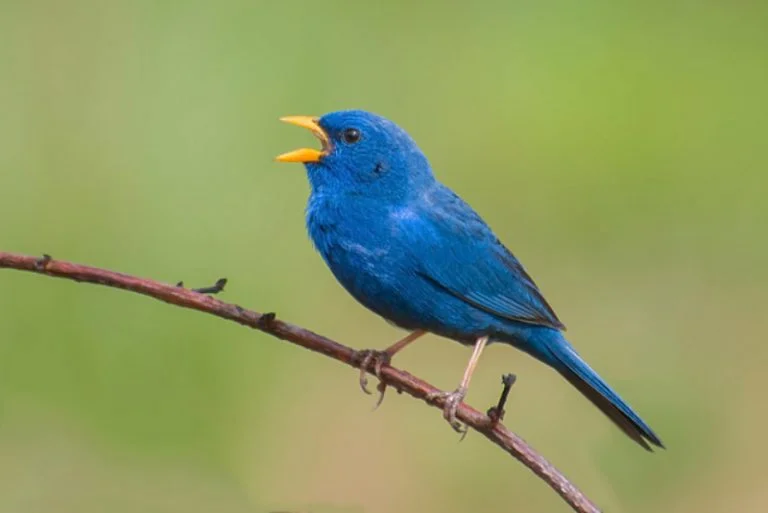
(458, 253)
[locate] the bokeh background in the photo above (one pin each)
(618, 148)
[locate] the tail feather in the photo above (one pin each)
(586, 381)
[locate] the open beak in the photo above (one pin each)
(306, 154)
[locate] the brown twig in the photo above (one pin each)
(400, 380)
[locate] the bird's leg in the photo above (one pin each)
(453, 399)
(379, 358)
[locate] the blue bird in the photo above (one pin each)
(412, 251)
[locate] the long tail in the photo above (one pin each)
(566, 361)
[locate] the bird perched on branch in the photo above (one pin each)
(412, 251)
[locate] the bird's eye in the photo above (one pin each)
(351, 135)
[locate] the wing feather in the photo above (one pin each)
(468, 261)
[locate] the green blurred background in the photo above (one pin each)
(618, 148)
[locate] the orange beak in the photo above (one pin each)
(306, 154)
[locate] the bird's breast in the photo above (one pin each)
(360, 246)
(349, 233)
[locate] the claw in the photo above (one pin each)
(382, 388)
(378, 358)
(368, 356)
(452, 400)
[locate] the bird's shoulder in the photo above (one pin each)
(439, 217)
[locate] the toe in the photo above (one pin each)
(382, 388)
(363, 366)
(364, 382)
(381, 360)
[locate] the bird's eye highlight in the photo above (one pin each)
(351, 135)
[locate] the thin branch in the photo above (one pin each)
(400, 380)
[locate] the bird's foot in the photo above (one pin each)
(378, 359)
(452, 400)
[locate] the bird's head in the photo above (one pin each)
(361, 154)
